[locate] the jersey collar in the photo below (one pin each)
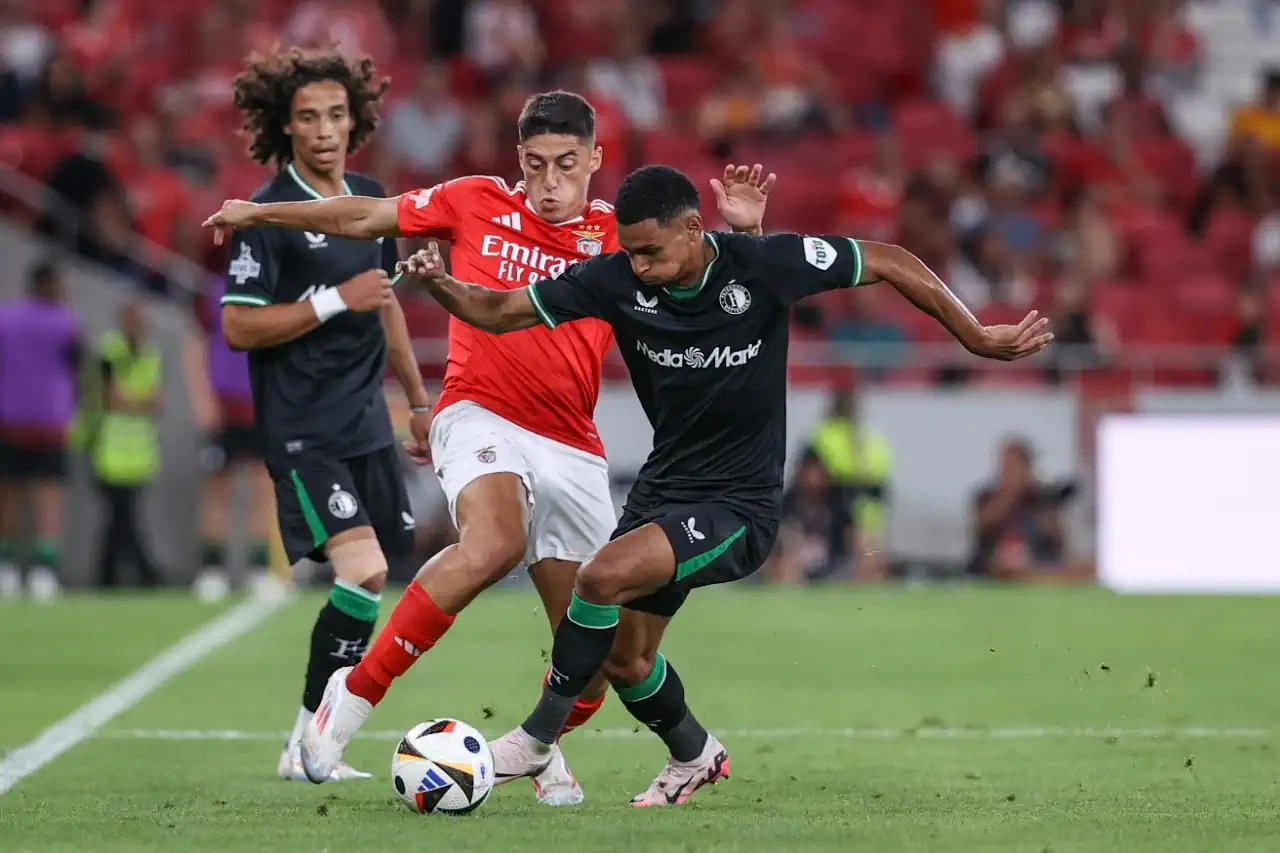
(310, 190)
(689, 293)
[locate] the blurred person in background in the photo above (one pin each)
(1144, 112)
(1246, 364)
(1084, 341)
(859, 464)
(425, 128)
(871, 195)
(502, 38)
(1261, 120)
(356, 27)
(966, 53)
(40, 352)
(628, 77)
(123, 442)
(814, 538)
(1018, 533)
(223, 396)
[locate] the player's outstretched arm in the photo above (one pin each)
(248, 327)
(915, 281)
(353, 216)
(493, 311)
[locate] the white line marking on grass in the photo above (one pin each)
(123, 695)
(1043, 733)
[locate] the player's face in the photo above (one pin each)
(320, 124)
(557, 172)
(664, 254)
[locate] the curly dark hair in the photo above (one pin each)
(264, 94)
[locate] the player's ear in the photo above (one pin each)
(694, 227)
(596, 159)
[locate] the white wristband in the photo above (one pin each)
(327, 304)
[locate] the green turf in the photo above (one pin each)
(919, 664)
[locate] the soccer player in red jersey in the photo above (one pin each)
(513, 440)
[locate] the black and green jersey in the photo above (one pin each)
(709, 363)
(320, 393)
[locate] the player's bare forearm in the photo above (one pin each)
(493, 311)
(249, 327)
(404, 364)
(353, 216)
(910, 277)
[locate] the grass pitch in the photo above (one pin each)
(950, 720)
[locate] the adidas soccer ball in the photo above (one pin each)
(443, 766)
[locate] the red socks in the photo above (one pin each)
(583, 710)
(415, 625)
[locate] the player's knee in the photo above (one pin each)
(490, 554)
(600, 581)
(360, 562)
(628, 667)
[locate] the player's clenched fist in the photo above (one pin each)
(368, 291)
(424, 263)
(233, 214)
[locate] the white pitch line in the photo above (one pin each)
(123, 695)
(1042, 733)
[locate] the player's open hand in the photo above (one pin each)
(234, 214)
(741, 196)
(1010, 343)
(424, 263)
(368, 291)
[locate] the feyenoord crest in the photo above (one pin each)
(590, 240)
(735, 298)
(487, 455)
(341, 504)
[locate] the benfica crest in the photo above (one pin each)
(590, 240)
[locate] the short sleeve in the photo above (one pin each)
(795, 266)
(390, 255)
(577, 293)
(254, 267)
(428, 212)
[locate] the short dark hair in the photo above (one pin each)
(557, 112)
(264, 93)
(42, 277)
(655, 192)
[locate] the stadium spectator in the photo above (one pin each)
(1088, 244)
(357, 27)
(502, 38)
(1092, 30)
(61, 97)
(481, 152)
(870, 195)
(158, 196)
(425, 127)
(25, 43)
(1016, 153)
(1143, 112)
(968, 53)
(1172, 49)
(39, 362)
(1247, 362)
(1018, 534)
(630, 79)
(1262, 119)
(672, 26)
(124, 447)
(987, 269)
(813, 539)
(858, 463)
(1083, 340)
(1266, 243)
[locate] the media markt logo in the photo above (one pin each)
(694, 357)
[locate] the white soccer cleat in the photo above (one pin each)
(339, 717)
(518, 754)
(42, 584)
(290, 768)
(678, 780)
(10, 580)
(556, 785)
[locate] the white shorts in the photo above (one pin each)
(571, 512)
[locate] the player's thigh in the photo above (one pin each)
(635, 647)
(379, 486)
(573, 510)
(710, 544)
(638, 560)
(316, 502)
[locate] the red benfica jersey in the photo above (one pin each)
(545, 380)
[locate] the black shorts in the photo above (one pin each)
(23, 464)
(319, 498)
(239, 444)
(712, 543)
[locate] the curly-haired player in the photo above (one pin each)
(320, 321)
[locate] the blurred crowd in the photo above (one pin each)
(1023, 148)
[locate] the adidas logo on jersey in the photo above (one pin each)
(509, 220)
(696, 358)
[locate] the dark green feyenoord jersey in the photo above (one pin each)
(321, 393)
(709, 363)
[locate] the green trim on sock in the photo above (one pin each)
(46, 553)
(693, 564)
(355, 601)
(6, 549)
(588, 615)
(260, 555)
(318, 534)
(652, 683)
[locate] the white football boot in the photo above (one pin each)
(290, 768)
(518, 754)
(339, 717)
(556, 786)
(678, 780)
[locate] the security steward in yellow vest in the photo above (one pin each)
(124, 446)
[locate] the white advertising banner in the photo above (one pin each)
(1188, 504)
